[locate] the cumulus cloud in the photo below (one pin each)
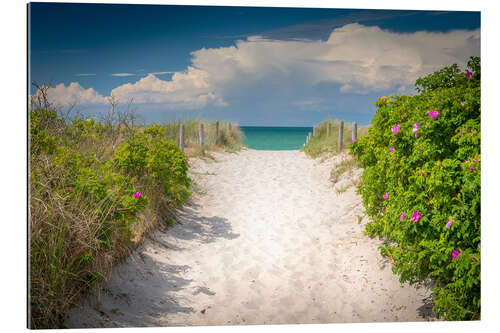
(74, 93)
(354, 60)
(359, 58)
(190, 89)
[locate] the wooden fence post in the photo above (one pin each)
(341, 136)
(315, 130)
(229, 126)
(202, 138)
(354, 131)
(328, 128)
(216, 132)
(181, 137)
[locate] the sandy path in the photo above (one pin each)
(267, 241)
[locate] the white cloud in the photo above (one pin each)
(123, 74)
(86, 74)
(161, 73)
(355, 59)
(358, 58)
(190, 90)
(63, 95)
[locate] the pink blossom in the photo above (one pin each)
(385, 195)
(416, 134)
(448, 225)
(416, 126)
(462, 104)
(479, 245)
(471, 169)
(137, 194)
(403, 214)
(395, 129)
(352, 141)
(137, 214)
(416, 216)
(391, 149)
(68, 190)
(468, 74)
(474, 161)
(433, 114)
(455, 254)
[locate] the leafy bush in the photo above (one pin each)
(421, 185)
(90, 185)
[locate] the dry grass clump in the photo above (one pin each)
(229, 139)
(326, 143)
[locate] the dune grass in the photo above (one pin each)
(229, 140)
(322, 143)
(96, 190)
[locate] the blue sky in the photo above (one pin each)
(256, 66)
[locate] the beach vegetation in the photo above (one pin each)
(97, 188)
(421, 186)
(325, 143)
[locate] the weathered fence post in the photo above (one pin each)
(315, 130)
(328, 128)
(341, 136)
(354, 131)
(229, 126)
(216, 132)
(181, 137)
(202, 138)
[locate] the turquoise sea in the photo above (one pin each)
(275, 138)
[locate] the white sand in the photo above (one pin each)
(268, 240)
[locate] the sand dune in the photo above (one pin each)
(266, 240)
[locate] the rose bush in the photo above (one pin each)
(424, 196)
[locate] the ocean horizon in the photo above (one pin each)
(274, 137)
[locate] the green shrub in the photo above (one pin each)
(421, 186)
(89, 185)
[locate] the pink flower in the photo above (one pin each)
(455, 254)
(468, 74)
(352, 141)
(416, 216)
(474, 260)
(68, 190)
(416, 134)
(416, 126)
(479, 245)
(137, 194)
(395, 129)
(137, 214)
(471, 169)
(403, 214)
(462, 104)
(474, 161)
(385, 195)
(448, 225)
(391, 149)
(433, 114)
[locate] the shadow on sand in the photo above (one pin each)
(141, 292)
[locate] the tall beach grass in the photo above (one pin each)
(97, 188)
(327, 143)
